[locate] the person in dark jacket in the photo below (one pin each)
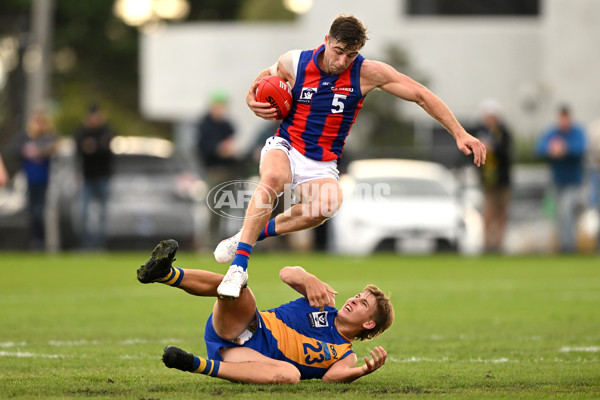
(217, 154)
(495, 174)
(93, 148)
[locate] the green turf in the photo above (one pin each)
(80, 326)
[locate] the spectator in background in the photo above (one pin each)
(93, 148)
(37, 147)
(216, 151)
(563, 146)
(495, 173)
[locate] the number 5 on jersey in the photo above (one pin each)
(337, 103)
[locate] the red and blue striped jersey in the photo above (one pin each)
(324, 108)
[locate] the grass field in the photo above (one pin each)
(80, 326)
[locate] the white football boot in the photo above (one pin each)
(226, 249)
(234, 280)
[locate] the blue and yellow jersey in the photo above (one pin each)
(294, 332)
(324, 108)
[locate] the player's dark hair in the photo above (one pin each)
(349, 30)
(383, 316)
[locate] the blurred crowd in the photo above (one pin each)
(569, 152)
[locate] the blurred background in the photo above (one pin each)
(118, 117)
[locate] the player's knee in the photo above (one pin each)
(325, 209)
(273, 181)
(329, 203)
(317, 218)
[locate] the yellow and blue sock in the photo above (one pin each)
(173, 278)
(206, 366)
(268, 230)
(242, 255)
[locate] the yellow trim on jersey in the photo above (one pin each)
(303, 349)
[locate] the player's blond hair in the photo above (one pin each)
(383, 316)
(349, 30)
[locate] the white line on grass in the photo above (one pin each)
(69, 343)
(446, 359)
(85, 342)
(138, 357)
(26, 354)
(12, 344)
(420, 359)
(588, 349)
(492, 361)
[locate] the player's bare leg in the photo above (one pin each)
(230, 319)
(240, 364)
(275, 172)
(320, 200)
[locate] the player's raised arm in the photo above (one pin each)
(376, 74)
(318, 293)
(346, 370)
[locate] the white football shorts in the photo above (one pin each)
(303, 168)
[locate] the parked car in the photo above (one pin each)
(153, 195)
(405, 205)
(530, 227)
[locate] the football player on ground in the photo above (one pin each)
(304, 339)
(328, 85)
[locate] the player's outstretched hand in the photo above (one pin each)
(262, 110)
(471, 145)
(379, 355)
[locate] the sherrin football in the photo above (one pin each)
(272, 89)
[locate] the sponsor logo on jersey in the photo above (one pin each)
(318, 319)
(342, 89)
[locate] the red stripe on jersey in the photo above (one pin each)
(312, 79)
(333, 121)
(358, 107)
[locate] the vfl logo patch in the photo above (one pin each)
(318, 319)
(306, 95)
